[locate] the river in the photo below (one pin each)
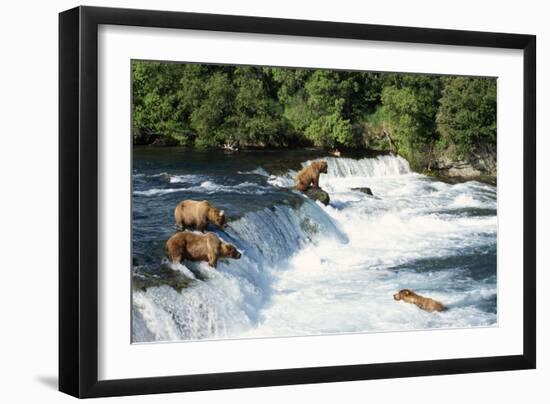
(309, 269)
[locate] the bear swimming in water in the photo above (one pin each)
(425, 303)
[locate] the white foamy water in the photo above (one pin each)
(318, 270)
(206, 187)
(258, 171)
(381, 166)
(185, 178)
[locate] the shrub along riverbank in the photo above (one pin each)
(437, 123)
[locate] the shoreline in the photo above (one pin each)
(444, 175)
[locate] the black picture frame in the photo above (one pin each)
(78, 201)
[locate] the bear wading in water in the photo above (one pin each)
(424, 303)
(208, 247)
(309, 176)
(191, 214)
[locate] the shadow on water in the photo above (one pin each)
(484, 303)
(477, 264)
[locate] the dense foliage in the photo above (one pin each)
(467, 114)
(237, 106)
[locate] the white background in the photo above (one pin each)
(28, 221)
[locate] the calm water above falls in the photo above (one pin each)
(309, 269)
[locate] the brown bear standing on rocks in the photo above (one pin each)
(309, 176)
(191, 214)
(425, 303)
(185, 245)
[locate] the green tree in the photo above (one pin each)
(155, 103)
(411, 102)
(368, 94)
(421, 116)
(256, 116)
(330, 129)
(328, 97)
(210, 119)
(467, 114)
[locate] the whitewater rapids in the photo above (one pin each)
(308, 269)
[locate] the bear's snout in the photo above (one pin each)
(235, 253)
(396, 296)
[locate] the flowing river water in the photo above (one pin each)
(309, 269)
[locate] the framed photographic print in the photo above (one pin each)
(251, 201)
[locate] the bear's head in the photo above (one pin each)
(228, 250)
(403, 294)
(322, 166)
(217, 217)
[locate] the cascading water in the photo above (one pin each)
(230, 300)
(381, 166)
(309, 269)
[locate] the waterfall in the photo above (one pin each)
(227, 301)
(345, 168)
(381, 166)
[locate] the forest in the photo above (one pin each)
(424, 118)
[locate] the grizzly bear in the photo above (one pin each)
(199, 247)
(191, 214)
(309, 176)
(425, 303)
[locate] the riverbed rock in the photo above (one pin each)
(318, 194)
(365, 190)
(456, 168)
(166, 277)
(479, 163)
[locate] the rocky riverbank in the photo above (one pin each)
(480, 165)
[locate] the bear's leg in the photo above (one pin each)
(212, 260)
(316, 182)
(201, 226)
(300, 186)
(175, 258)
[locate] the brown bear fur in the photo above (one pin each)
(309, 176)
(425, 303)
(185, 245)
(191, 214)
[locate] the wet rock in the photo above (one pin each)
(318, 194)
(169, 278)
(365, 190)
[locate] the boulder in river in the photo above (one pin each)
(365, 190)
(318, 194)
(166, 276)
